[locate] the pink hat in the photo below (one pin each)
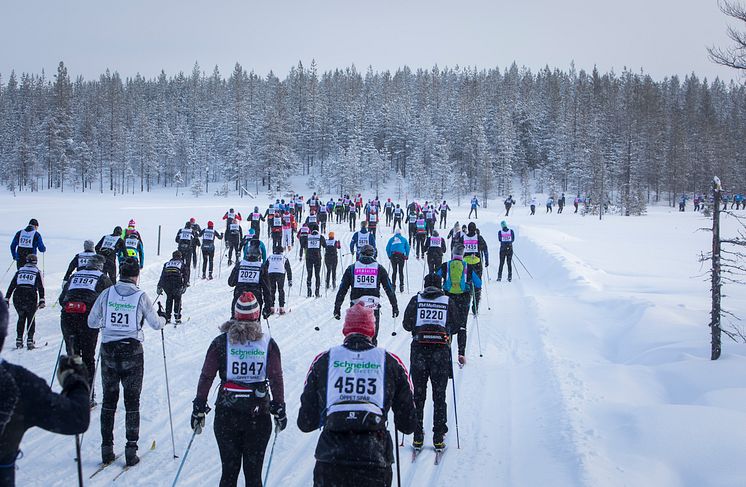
(246, 308)
(360, 319)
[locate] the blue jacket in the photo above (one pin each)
(37, 243)
(468, 278)
(397, 243)
(474, 202)
(353, 242)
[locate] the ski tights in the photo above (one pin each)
(241, 441)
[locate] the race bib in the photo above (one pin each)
(132, 242)
(355, 380)
(110, 242)
(276, 264)
(233, 227)
(432, 312)
(471, 245)
(249, 272)
(362, 239)
(365, 276)
(208, 235)
(26, 277)
(26, 239)
(277, 221)
(84, 280)
(247, 362)
(185, 234)
(314, 241)
(121, 311)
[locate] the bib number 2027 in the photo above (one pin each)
(361, 385)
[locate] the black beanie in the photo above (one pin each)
(472, 227)
(33, 222)
(433, 280)
(129, 268)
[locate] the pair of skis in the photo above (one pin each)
(438, 454)
(103, 466)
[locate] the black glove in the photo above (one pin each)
(71, 370)
(337, 314)
(266, 312)
(199, 411)
(290, 283)
(42, 304)
(278, 411)
(161, 312)
(395, 311)
(486, 263)
(159, 291)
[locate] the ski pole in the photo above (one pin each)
(8, 269)
(168, 395)
(79, 461)
(398, 463)
(476, 319)
(56, 362)
(300, 285)
(522, 265)
(406, 270)
(269, 461)
(455, 408)
(183, 460)
(220, 265)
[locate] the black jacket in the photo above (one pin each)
(84, 295)
(346, 283)
(263, 286)
(452, 320)
(26, 293)
(67, 413)
(435, 251)
(109, 254)
(374, 449)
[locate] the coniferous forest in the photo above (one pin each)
(439, 132)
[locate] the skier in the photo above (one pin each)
(256, 220)
(576, 202)
(247, 276)
(298, 207)
(431, 215)
(133, 246)
(80, 260)
(303, 233)
(276, 267)
(252, 240)
(533, 205)
(331, 259)
(351, 215)
(372, 217)
(323, 217)
(435, 247)
(362, 238)
(459, 282)
(186, 239)
(364, 279)
(388, 209)
(209, 235)
(25, 242)
(78, 296)
(474, 206)
(28, 401)
(232, 215)
(411, 222)
(339, 210)
(456, 236)
(28, 285)
(509, 202)
(314, 244)
(174, 281)
(549, 204)
(475, 249)
(432, 317)
(288, 230)
(398, 215)
(506, 236)
(358, 204)
(560, 203)
(444, 209)
(248, 363)
(110, 246)
(398, 251)
(421, 234)
(269, 214)
(354, 447)
(121, 311)
(233, 237)
(197, 231)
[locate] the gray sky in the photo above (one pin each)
(662, 37)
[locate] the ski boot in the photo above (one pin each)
(282, 311)
(439, 441)
(168, 320)
(499, 278)
(30, 344)
(177, 319)
(130, 454)
(230, 262)
(271, 311)
(203, 276)
(107, 454)
(418, 441)
(318, 294)
(401, 288)
(209, 277)
(19, 342)
(92, 403)
(510, 278)
(309, 292)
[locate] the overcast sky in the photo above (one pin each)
(661, 37)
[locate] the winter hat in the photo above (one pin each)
(32, 259)
(210, 224)
(88, 246)
(96, 262)
(117, 230)
(129, 268)
(435, 233)
(433, 280)
(277, 249)
(131, 223)
(360, 319)
(458, 251)
(251, 232)
(472, 227)
(176, 255)
(33, 222)
(246, 308)
(192, 220)
(368, 250)
(504, 224)
(331, 234)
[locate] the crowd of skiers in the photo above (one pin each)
(349, 389)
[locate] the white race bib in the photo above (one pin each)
(249, 272)
(365, 276)
(121, 311)
(247, 362)
(362, 239)
(471, 245)
(132, 242)
(84, 280)
(355, 381)
(432, 312)
(276, 264)
(185, 234)
(208, 235)
(314, 241)
(110, 242)
(26, 276)
(26, 239)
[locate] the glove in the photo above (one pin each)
(161, 312)
(64, 282)
(159, 291)
(395, 310)
(71, 370)
(486, 263)
(337, 314)
(461, 361)
(406, 257)
(42, 304)
(278, 411)
(290, 283)
(266, 312)
(199, 411)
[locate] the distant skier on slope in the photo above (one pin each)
(474, 206)
(277, 267)
(506, 236)
(25, 242)
(27, 290)
(174, 279)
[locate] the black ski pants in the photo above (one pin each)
(397, 264)
(331, 268)
(443, 219)
(420, 249)
(397, 221)
(389, 215)
(186, 257)
(352, 219)
(208, 258)
(434, 261)
(462, 301)
(333, 475)
(533, 209)
(241, 441)
(507, 209)
(473, 209)
(121, 363)
(433, 363)
(256, 225)
(276, 285)
(277, 239)
(173, 301)
(412, 233)
(110, 269)
(506, 254)
(560, 208)
(26, 305)
(313, 264)
(80, 339)
(233, 247)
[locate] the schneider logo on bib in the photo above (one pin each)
(357, 367)
(243, 353)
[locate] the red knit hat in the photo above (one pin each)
(246, 308)
(360, 319)
(210, 224)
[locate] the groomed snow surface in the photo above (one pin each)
(595, 372)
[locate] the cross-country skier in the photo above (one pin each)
(209, 235)
(303, 233)
(362, 238)
(247, 276)
(288, 230)
(431, 215)
(27, 290)
(372, 218)
(474, 206)
(256, 220)
(444, 209)
(475, 249)
(121, 311)
(398, 252)
(420, 235)
(398, 216)
(435, 247)
(509, 202)
(173, 281)
(459, 282)
(27, 401)
(349, 391)
(314, 243)
(550, 204)
(561, 203)
(323, 218)
(331, 258)
(133, 246)
(186, 240)
(506, 236)
(388, 208)
(339, 210)
(78, 296)
(232, 215)
(80, 260)
(577, 199)
(251, 390)
(351, 215)
(411, 222)
(111, 246)
(433, 319)
(233, 238)
(364, 279)
(277, 267)
(252, 240)
(25, 242)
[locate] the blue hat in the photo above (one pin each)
(504, 224)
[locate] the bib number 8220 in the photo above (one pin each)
(360, 385)
(431, 314)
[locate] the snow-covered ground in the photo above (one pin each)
(595, 372)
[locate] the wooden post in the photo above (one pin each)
(716, 283)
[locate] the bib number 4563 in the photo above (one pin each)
(360, 385)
